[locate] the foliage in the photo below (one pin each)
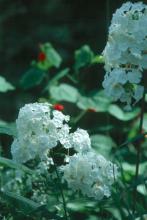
(4, 85)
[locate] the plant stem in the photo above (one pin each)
(138, 149)
(79, 117)
(62, 194)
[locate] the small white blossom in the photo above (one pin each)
(113, 83)
(138, 93)
(64, 136)
(59, 118)
(80, 140)
(134, 76)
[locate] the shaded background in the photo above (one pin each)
(67, 24)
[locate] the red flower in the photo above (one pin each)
(58, 107)
(41, 56)
(91, 110)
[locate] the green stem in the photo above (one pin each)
(138, 149)
(56, 78)
(133, 140)
(72, 79)
(79, 117)
(62, 194)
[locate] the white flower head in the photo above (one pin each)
(37, 132)
(92, 174)
(126, 50)
(40, 129)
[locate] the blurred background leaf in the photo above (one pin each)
(4, 85)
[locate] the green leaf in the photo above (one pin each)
(83, 57)
(118, 113)
(142, 189)
(59, 75)
(5, 86)
(7, 128)
(31, 78)
(102, 144)
(97, 101)
(85, 103)
(81, 205)
(130, 168)
(145, 122)
(141, 209)
(10, 163)
(53, 58)
(21, 203)
(64, 92)
(102, 102)
(115, 212)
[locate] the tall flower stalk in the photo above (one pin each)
(138, 149)
(125, 58)
(62, 193)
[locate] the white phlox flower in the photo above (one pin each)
(80, 140)
(40, 129)
(35, 132)
(126, 51)
(90, 173)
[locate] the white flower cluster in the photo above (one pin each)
(125, 53)
(90, 173)
(13, 181)
(39, 129)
